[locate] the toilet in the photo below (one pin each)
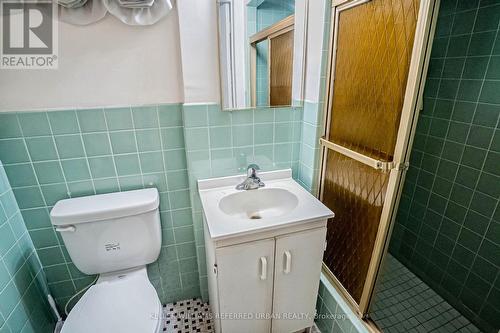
(114, 235)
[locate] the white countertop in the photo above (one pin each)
(221, 225)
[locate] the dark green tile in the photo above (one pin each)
(448, 88)
(463, 22)
(477, 285)
(457, 271)
(485, 269)
(471, 300)
(489, 184)
(442, 187)
(444, 25)
(463, 255)
(467, 176)
(458, 46)
(495, 143)
(496, 47)
(473, 157)
(476, 222)
(490, 92)
(447, 7)
(467, 4)
(447, 170)
(492, 162)
(439, 127)
(487, 18)
(475, 67)
(461, 195)
(431, 87)
(469, 240)
(493, 231)
(439, 47)
(452, 151)
(434, 146)
(483, 204)
(435, 68)
(463, 111)
(469, 90)
(453, 67)
(481, 43)
(455, 212)
(458, 132)
(486, 115)
(480, 136)
(490, 251)
(450, 229)
(494, 68)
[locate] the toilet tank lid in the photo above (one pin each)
(104, 206)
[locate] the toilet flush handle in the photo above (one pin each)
(67, 228)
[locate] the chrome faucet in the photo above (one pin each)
(252, 182)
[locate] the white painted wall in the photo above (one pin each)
(104, 64)
(112, 64)
(199, 49)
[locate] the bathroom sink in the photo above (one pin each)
(259, 204)
(281, 203)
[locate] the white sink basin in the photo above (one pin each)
(259, 204)
(229, 212)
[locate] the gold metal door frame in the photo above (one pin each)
(413, 99)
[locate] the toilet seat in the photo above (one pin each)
(124, 302)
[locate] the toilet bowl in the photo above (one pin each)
(125, 302)
(114, 235)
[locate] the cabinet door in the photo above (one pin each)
(296, 279)
(245, 284)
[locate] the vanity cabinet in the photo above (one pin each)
(267, 282)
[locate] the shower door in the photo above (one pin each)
(378, 55)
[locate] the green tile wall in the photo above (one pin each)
(333, 314)
(448, 224)
(23, 305)
(224, 143)
(54, 155)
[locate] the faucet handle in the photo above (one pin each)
(252, 170)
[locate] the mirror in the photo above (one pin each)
(261, 48)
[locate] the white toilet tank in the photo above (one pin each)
(110, 232)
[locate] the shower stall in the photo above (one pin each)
(410, 163)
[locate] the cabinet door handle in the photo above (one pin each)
(288, 262)
(263, 268)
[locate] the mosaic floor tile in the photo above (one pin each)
(403, 303)
(188, 316)
(192, 315)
